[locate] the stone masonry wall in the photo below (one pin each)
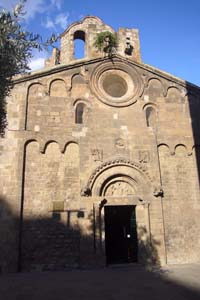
(50, 236)
(181, 205)
(56, 171)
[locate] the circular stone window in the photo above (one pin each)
(114, 85)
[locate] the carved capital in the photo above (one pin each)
(158, 191)
(85, 192)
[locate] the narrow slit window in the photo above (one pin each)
(79, 113)
(150, 117)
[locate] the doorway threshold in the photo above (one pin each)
(123, 265)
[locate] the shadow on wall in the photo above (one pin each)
(193, 95)
(64, 240)
(148, 253)
(58, 242)
(9, 225)
(48, 244)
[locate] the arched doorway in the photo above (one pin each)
(121, 242)
(124, 189)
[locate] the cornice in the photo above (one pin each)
(86, 61)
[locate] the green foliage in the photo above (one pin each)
(106, 41)
(16, 47)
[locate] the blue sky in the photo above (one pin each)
(169, 30)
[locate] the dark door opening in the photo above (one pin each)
(120, 234)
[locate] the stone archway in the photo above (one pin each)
(120, 177)
(120, 189)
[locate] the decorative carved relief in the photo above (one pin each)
(97, 154)
(158, 191)
(119, 188)
(85, 191)
(120, 143)
(144, 156)
(118, 162)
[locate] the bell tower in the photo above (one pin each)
(127, 45)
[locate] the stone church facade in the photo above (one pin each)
(100, 160)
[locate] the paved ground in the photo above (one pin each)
(112, 283)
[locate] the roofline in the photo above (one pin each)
(81, 62)
(168, 76)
